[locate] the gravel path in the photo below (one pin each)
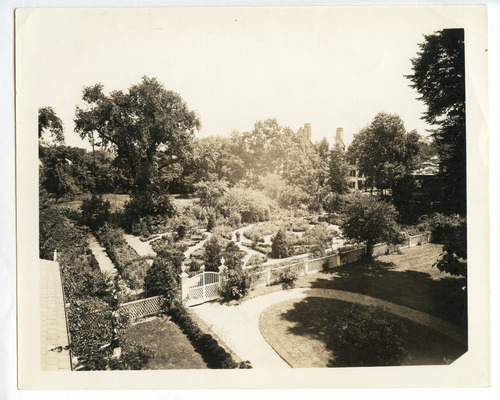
(238, 326)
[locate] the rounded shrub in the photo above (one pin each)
(368, 336)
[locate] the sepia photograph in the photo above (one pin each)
(261, 191)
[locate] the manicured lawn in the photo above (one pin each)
(172, 347)
(301, 332)
(408, 279)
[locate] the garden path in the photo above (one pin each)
(198, 245)
(238, 326)
(144, 249)
(244, 244)
(105, 264)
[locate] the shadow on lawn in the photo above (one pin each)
(445, 298)
(315, 318)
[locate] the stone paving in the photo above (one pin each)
(54, 353)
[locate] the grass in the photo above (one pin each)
(301, 332)
(407, 279)
(117, 201)
(173, 349)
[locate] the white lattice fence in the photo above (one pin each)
(141, 308)
(203, 287)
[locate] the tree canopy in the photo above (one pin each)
(49, 121)
(371, 220)
(338, 170)
(385, 153)
(439, 77)
(149, 128)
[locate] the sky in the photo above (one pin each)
(331, 67)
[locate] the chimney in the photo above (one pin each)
(339, 136)
(307, 129)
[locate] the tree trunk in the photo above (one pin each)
(369, 250)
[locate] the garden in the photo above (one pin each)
(160, 202)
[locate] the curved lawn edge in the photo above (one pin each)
(446, 328)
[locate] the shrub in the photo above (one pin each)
(451, 231)
(212, 221)
(131, 267)
(319, 238)
(368, 336)
(287, 278)
(236, 285)
(212, 253)
(282, 246)
(206, 345)
(58, 232)
(199, 213)
(252, 205)
(95, 212)
(368, 219)
(223, 230)
(293, 197)
(134, 356)
(256, 259)
(163, 279)
(147, 209)
(257, 233)
(265, 249)
(234, 219)
(183, 226)
(90, 326)
(233, 256)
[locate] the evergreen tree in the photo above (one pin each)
(439, 77)
(282, 246)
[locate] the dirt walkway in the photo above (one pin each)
(238, 326)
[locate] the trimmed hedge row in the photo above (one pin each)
(131, 267)
(214, 355)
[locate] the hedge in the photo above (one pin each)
(131, 267)
(214, 355)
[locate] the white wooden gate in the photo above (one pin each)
(203, 287)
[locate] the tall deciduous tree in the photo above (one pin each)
(49, 121)
(385, 153)
(338, 170)
(439, 77)
(371, 220)
(149, 128)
